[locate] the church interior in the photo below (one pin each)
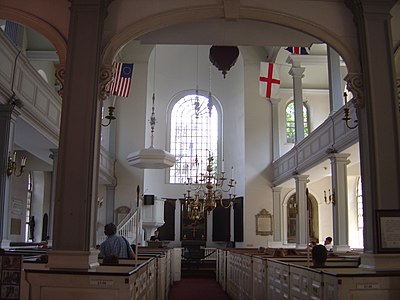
(231, 128)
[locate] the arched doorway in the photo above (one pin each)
(313, 226)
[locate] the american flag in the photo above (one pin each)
(298, 50)
(121, 84)
(11, 30)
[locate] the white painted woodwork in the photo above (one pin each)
(312, 149)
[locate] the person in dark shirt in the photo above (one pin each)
(319, 255)
(115, 245)
(156, 236)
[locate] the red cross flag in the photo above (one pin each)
(269, 80)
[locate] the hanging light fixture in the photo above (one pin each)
(224, 57)
(208, 188)
(152, 158)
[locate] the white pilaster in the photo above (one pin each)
(335, 81)
(276, 192)
(302, 212)
(275, 127)
(54, 157)
(8, 116)
(339, 162)
(297, 73)
(378, 118)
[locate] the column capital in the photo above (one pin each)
(300, 178)
(277, 189)
(106, 75)
(9, 110)
(297, 71)
(354, 84)
(275, 101)
(339, 157)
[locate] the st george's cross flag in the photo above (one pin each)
(298, 50)
(121, 84)
(269, 80)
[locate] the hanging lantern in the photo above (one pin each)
(224, 57)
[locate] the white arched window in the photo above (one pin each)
(28, 207)
(194, 135)
(290, 123)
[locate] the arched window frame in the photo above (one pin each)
(290, 122)
(29, 198)
(218, 155)
(360, 206)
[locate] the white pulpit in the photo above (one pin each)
(152, 216)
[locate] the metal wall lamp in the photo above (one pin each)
(347, 117)
(12, 165)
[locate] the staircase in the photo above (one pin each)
(126, 228)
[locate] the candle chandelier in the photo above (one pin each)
(207, 190)
(204, 186)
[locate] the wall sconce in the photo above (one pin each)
(110, 116)
(347, 117)
(12, 165)
(330, 198)
(100, 202)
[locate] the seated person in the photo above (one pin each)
(319, 255)
(114, 244)
(156, 236)
(328, 243)
(279, 253)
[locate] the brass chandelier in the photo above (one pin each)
(206, 187)
(209, 188)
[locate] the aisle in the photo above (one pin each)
(197, 289)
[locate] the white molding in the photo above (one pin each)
(50, 55)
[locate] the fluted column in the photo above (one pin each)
(335, 81)
(302, 212)
(79, 147)
(297, 73)
(339, 162)
(275, 127)
(8, 116)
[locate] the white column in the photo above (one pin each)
(297, 73)
(74, 231)
(379, 125)
(302, 212)
(275, 127)
(276, 192)
(335, 81)
(339, 162)
(54, 157)
(8, 116)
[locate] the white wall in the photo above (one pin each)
(247, 128)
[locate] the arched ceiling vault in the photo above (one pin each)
(198, 25)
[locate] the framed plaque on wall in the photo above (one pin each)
(388, 230)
